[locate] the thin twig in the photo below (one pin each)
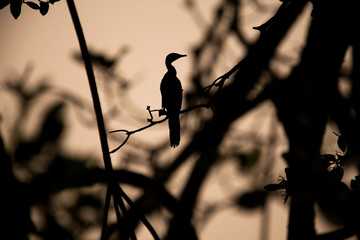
(219, 82)
(123, 143)
(152, 122)
(129, 133)
(151, 116)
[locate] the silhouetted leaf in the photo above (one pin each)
(33, 5)
(15, 8)
(328, 159)
(44, 8)
(341, 159)
(4, 3)
(341, 143)
(286, 197)
(53, 1)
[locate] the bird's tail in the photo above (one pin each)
(174, 129)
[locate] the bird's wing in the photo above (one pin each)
(178, 91)
(164, 92)
(171, 91)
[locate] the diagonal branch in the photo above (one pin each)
(229, 105)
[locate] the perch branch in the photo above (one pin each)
(152, 122)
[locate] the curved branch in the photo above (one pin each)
(152, 123)
(87, 177)
(129, 133)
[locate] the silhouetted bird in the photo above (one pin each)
(171, 92)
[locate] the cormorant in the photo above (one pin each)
(171, 92)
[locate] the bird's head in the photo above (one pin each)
(172, 57)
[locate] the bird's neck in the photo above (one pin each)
(170, 68)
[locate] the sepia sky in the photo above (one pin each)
(150, 29)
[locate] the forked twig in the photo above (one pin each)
(219, 82)
(162, 112)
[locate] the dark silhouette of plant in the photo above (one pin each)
(16, 5)
(305, 101)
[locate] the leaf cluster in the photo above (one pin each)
(332, 162)
(16, 5)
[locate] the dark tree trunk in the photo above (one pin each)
(304, 105)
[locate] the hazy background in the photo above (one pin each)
(148, 30)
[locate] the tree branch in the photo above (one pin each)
(229, 105)
(92, 83)
(310, 93)
(99, 117)
(152, 122)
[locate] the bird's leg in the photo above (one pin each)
(162, 112)
(151, 116)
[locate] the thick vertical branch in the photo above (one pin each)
(114, 188)
(92, 83)
(98, 112)
(304, 104)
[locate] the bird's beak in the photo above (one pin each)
(179, 56)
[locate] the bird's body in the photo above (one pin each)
(171, 92)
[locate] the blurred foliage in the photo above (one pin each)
(51, 194)
(247, 160)
(43, 169)
(58, 204)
